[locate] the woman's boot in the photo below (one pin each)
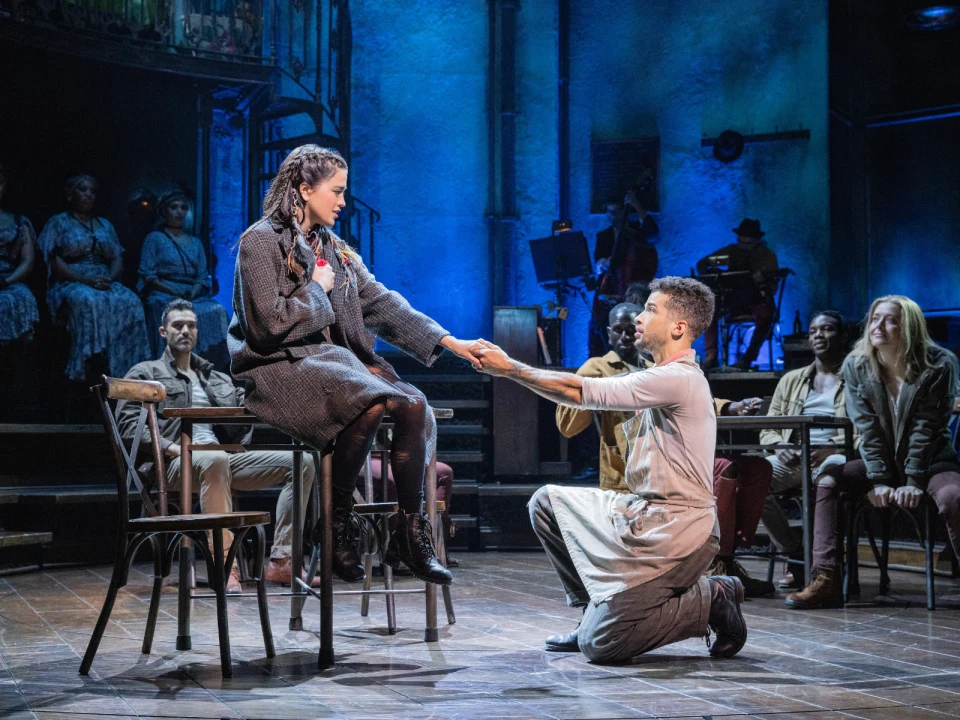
(412, 543)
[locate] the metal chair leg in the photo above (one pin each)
(119, 570)
(367, 579)
(326, 656)
(851, 583)
(885, 551)
(157, 546)
(260, 540)
(442, 556)
(929, 517)
(219, 585)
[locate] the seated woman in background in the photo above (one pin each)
(173, 264)
(84, 259)
(900, 388)
(18, 307)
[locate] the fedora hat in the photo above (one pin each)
(749, 228)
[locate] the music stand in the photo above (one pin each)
(560, 257)
(557, 259)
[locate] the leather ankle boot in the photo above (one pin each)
(726, 620)
(412, 544)
(752, 587)
(822, 592)
(346, 544)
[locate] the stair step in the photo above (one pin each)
(462, 430)
(465, 487)
(462, 456)
(465, 521)
(462, 404)
(68, 494)
(467, 378)
(21, 538)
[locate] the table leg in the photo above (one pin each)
(184, 641)
(430, 633)
(806, 473)
(296, 549)
(326, 657)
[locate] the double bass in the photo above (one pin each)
(632, 259)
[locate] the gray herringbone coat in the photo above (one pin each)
(306, 353)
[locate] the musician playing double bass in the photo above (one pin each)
(623, 255)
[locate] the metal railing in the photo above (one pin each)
(226, 28)
(364, 219)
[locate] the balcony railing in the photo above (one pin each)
(226, 29)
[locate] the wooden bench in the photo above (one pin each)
(25, 539)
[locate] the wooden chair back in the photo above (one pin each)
(148, 394)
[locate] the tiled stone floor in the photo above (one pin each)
(874, 661)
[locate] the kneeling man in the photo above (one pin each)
(635, 562)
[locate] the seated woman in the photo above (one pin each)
(18, 307)
(84, 260)
(173, 264)
(306, 315)
(900, 388)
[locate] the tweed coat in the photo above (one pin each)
(305, 353)
(915, 446)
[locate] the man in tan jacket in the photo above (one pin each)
(624, 358)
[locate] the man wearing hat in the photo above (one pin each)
(755, 299)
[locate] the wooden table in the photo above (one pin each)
(298, 589)
(801, 426)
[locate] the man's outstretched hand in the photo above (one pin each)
(493, 360)
(466, 349)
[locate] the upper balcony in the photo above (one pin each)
(214, 39)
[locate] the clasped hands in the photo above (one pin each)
(906, 496)
(481, 354)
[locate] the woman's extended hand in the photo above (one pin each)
(466, 349)
(323, 274)
(494, 360)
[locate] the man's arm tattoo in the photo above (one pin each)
(558, 387)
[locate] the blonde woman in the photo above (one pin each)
(900, 391)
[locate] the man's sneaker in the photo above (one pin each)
(726, 620)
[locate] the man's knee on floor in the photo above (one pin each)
(540, 507)
(602, 650)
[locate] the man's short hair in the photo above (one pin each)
(622, 308)
(834, 315)
(689, 300)
(174, 305)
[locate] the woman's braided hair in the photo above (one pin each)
(310, 164)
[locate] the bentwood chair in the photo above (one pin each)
(164, 531)
(858, 513)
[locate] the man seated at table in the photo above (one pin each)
(191, 381)
(814, 390)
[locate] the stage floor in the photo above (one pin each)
(868, 661)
